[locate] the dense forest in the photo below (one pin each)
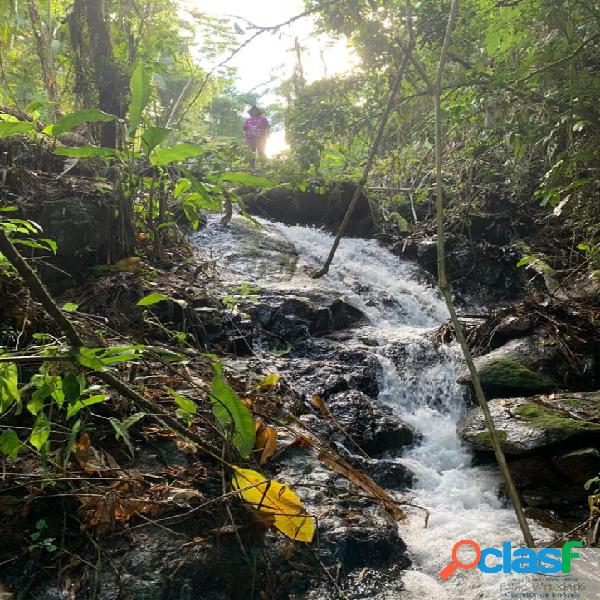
(306, 371)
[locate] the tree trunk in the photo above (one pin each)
(90, 37)
(43, 43)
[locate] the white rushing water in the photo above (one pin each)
(462, 499)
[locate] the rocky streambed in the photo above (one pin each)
(398, 408)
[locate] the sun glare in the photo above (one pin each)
(276, 144)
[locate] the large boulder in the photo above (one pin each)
(371, 426)
(534, 425)
(289, 316)
(323, 208)
(325, 367)
(523, 366)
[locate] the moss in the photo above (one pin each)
(484, 439)
(507, 372)
(551, 420)
(585, 400)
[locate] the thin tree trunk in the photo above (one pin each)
(110, 83)
(447, 291)
(367, 168)
(43, 43)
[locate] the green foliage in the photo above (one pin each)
(140, 96)
(14, 127)
(122, 429)
(152, 137)
(69, 122)
(233, 416)
(86, 152)
(247, 179)
(180, 152)
(9, 386)
(41, 543)
(186, 408)
(152, 298)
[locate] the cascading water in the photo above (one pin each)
(421, 387)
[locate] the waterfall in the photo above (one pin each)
(418, 381)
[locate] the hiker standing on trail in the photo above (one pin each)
(256, 132)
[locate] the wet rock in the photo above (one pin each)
(291, 316)
(427, 254)
(364, 546)
(319, 209)
(259, 253)
(390, 474)
(372, 426)
(355, 532)
(476, 267)
(557, 498)
(514, 326)
(325, 367)
(579, 465)
(523, 366)
(537, 424)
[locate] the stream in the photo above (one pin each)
(402, 307)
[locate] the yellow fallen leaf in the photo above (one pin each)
(130, 264)
(273, 497)
(270, 381)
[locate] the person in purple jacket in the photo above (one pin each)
(256, 132)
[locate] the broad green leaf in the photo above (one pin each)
(166, 156)
(40, 432)
(140, 96)
(35, 105)
(121, 354)
(187, 407)
(73, 409)
(232, 414)
(10, 444)
(9, 385)
(247, 179)
(153, 298)
(8, 128)
(86, 152)
(200, 202)
(70, 306)
(152, 137)
(38, 398)
(31, 244)
(51, 244)
(275, 498)
(72, 386)
(250, 218)
(183, 185)
(88, 357)
(69, 122)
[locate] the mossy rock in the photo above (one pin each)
(527, 425)
(505, 372)
(522, 367)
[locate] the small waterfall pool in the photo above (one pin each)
(403, 306)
